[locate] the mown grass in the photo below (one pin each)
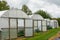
(44, 35)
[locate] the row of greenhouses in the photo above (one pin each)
(15, 23)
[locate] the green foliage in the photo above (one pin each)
(37, 30)
(43, 14)
(44, 35)
(26, 10)
(49, 27)
(21, 33)
(3, 5)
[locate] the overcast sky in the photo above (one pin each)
(51, 6)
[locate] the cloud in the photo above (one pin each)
(57, 2)
(51, 6)
(16, 3)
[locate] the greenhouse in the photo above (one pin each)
(39, 22)
(54, 23)
(15, 23)
(48, 22)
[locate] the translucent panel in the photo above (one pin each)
(35, 28)
(20, 23)
(13, 33)
(39, 25)
(52, 24)
(28, 32)
(13, 28)
(44, 29)
(13, 23)
(4, 22)
(28, 23)
(19, 29)
(35, 23)
(43, 22)
(55, 24)
(5, 34)
(48, 23)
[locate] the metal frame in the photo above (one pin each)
(17, 26)
(37, 23)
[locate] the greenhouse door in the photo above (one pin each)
(44, 28)
(20, 27)
(28, 28)
(13, 29)
(39, 25)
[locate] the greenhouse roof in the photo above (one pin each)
(14, 13)
(37, 17)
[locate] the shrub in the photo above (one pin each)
(37, 30)
(49, 27)
(21, 33)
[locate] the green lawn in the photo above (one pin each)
(44, 35)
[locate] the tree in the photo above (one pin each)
(43, 14)
(3, 5)
(26, 10)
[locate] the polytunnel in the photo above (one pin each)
(39, 22)
(15, 23)
(54, 23)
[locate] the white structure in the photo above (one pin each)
(39, 22)
(12, 21)
(54, 23)
(48, 22)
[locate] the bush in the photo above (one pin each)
(21, 33)
(37, 30)
(49, 27)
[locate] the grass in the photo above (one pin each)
(44, 35)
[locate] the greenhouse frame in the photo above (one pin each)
(12, 21)
(39, 22)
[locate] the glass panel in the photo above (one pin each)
(39, 25)
(13, 33)
(13, 28)
(28, 23)
(28, 32)
(44, 29)
(28, 27)
(5, 33)
(13, 23)
(35, 23)
(43, 22)
(20, 23)
(48, 23)
(35, 29)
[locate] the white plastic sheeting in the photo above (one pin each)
(54, 23)
(28, 27)
(39, 25)
(20, 24)
(4, 23)
(35, 25)
(44, 28)
(5, 33)
(48, 22)
(13, 31)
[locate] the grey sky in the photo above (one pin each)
(51, 6)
